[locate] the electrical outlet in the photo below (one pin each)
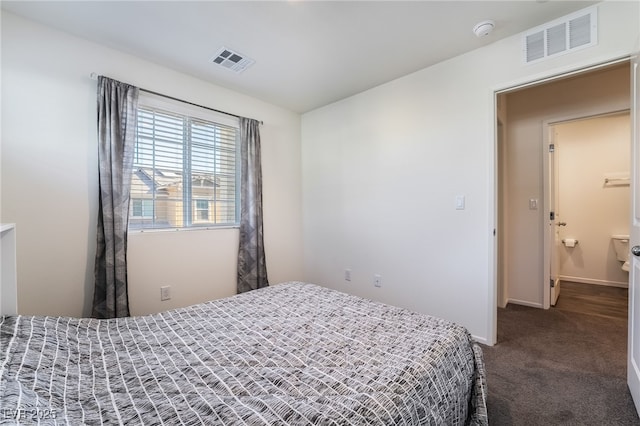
(377, 280)
(347, 274)
(165, 292)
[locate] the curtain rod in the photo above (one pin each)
(94, 76)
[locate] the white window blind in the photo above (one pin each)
(184, 168)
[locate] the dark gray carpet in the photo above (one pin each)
(558, 368)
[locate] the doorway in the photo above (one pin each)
(523, 217)
(588, 193)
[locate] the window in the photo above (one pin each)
(141, 208)
(202, 210)
(184, 169)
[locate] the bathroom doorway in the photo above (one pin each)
(588, 194)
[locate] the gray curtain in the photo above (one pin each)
(117, 103)
(252, 265)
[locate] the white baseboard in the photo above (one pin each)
(524, 303)
(594, 281)
(481, 340)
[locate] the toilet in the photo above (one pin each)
(621, 246)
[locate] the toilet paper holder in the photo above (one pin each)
(569, 242)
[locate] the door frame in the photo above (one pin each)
(633, 343)
(549, 235)
(497, 90)
(548, 192)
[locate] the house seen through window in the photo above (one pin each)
(184, 169)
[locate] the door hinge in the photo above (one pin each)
(552, 282)
(552, 147)
(552, 215)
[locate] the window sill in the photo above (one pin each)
(194, 228)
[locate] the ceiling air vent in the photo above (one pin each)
(229, 59)
(564, 35)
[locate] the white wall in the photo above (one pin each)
(587, 152)
(49, 179)
(527, 111)
(381, 171)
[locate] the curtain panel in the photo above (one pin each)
(252, 265)
(117, 104)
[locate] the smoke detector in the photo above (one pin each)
(484, 28)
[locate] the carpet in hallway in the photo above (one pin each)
(553, 367)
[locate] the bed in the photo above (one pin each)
(289, 354)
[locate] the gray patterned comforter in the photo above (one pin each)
(290, 354)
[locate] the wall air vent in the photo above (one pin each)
(570, 33)
(231, 60)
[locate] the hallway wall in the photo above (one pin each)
(587, 152)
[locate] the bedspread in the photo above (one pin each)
(289, 354)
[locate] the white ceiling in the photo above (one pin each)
(307, 53)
